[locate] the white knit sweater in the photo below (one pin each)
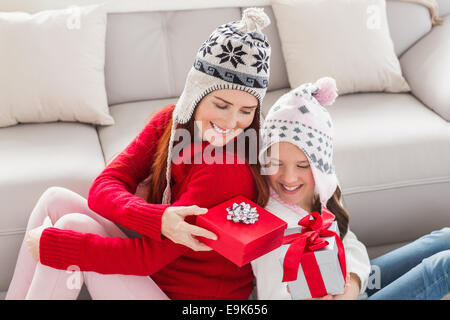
(268, 270)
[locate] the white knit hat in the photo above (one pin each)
(235, 56)
(299, 117)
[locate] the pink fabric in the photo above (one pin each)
(297, 209)
(32, 280)
(327, 93)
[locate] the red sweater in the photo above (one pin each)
(179, 271)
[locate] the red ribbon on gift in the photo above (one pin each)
(308, 240)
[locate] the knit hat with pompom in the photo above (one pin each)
(235, 56)
(299, 117)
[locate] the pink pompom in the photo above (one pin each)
(327, 91)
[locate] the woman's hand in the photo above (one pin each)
(179, 231)
(34, 236)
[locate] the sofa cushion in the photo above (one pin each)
(37, 156)
(52, 66)
(34, 158)
(426, 66)
(390, 155)
(316, 41)
(444, 7)
(408, 22)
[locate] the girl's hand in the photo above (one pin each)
(352, 288)
(34, 236)
(179, 231)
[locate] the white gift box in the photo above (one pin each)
(328, 262)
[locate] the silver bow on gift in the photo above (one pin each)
(242, 212)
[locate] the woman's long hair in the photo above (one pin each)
(158, 182)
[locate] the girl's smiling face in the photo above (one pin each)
(291, 175)
(224, 114)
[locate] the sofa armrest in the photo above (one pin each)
(426, 67)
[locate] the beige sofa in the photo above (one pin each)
(392, 151)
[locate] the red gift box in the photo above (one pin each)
(240, 242)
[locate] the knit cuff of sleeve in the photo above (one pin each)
(146, 219)
(60, 249)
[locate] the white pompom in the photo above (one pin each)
(254, 19)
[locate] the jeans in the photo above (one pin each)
(417, 271)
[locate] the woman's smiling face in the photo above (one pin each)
(291, 175)
(224, 114)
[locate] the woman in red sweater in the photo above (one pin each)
(219, 105)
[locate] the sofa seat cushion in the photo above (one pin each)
(391, 156)
(37, 156)
(34, 158)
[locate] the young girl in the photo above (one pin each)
(297, 150)
(220, 102)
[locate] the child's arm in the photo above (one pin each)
(358, 262)
(268, 273)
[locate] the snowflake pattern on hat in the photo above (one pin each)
(262, 61)
(207, 45)
(232, 54)
(247, 53)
